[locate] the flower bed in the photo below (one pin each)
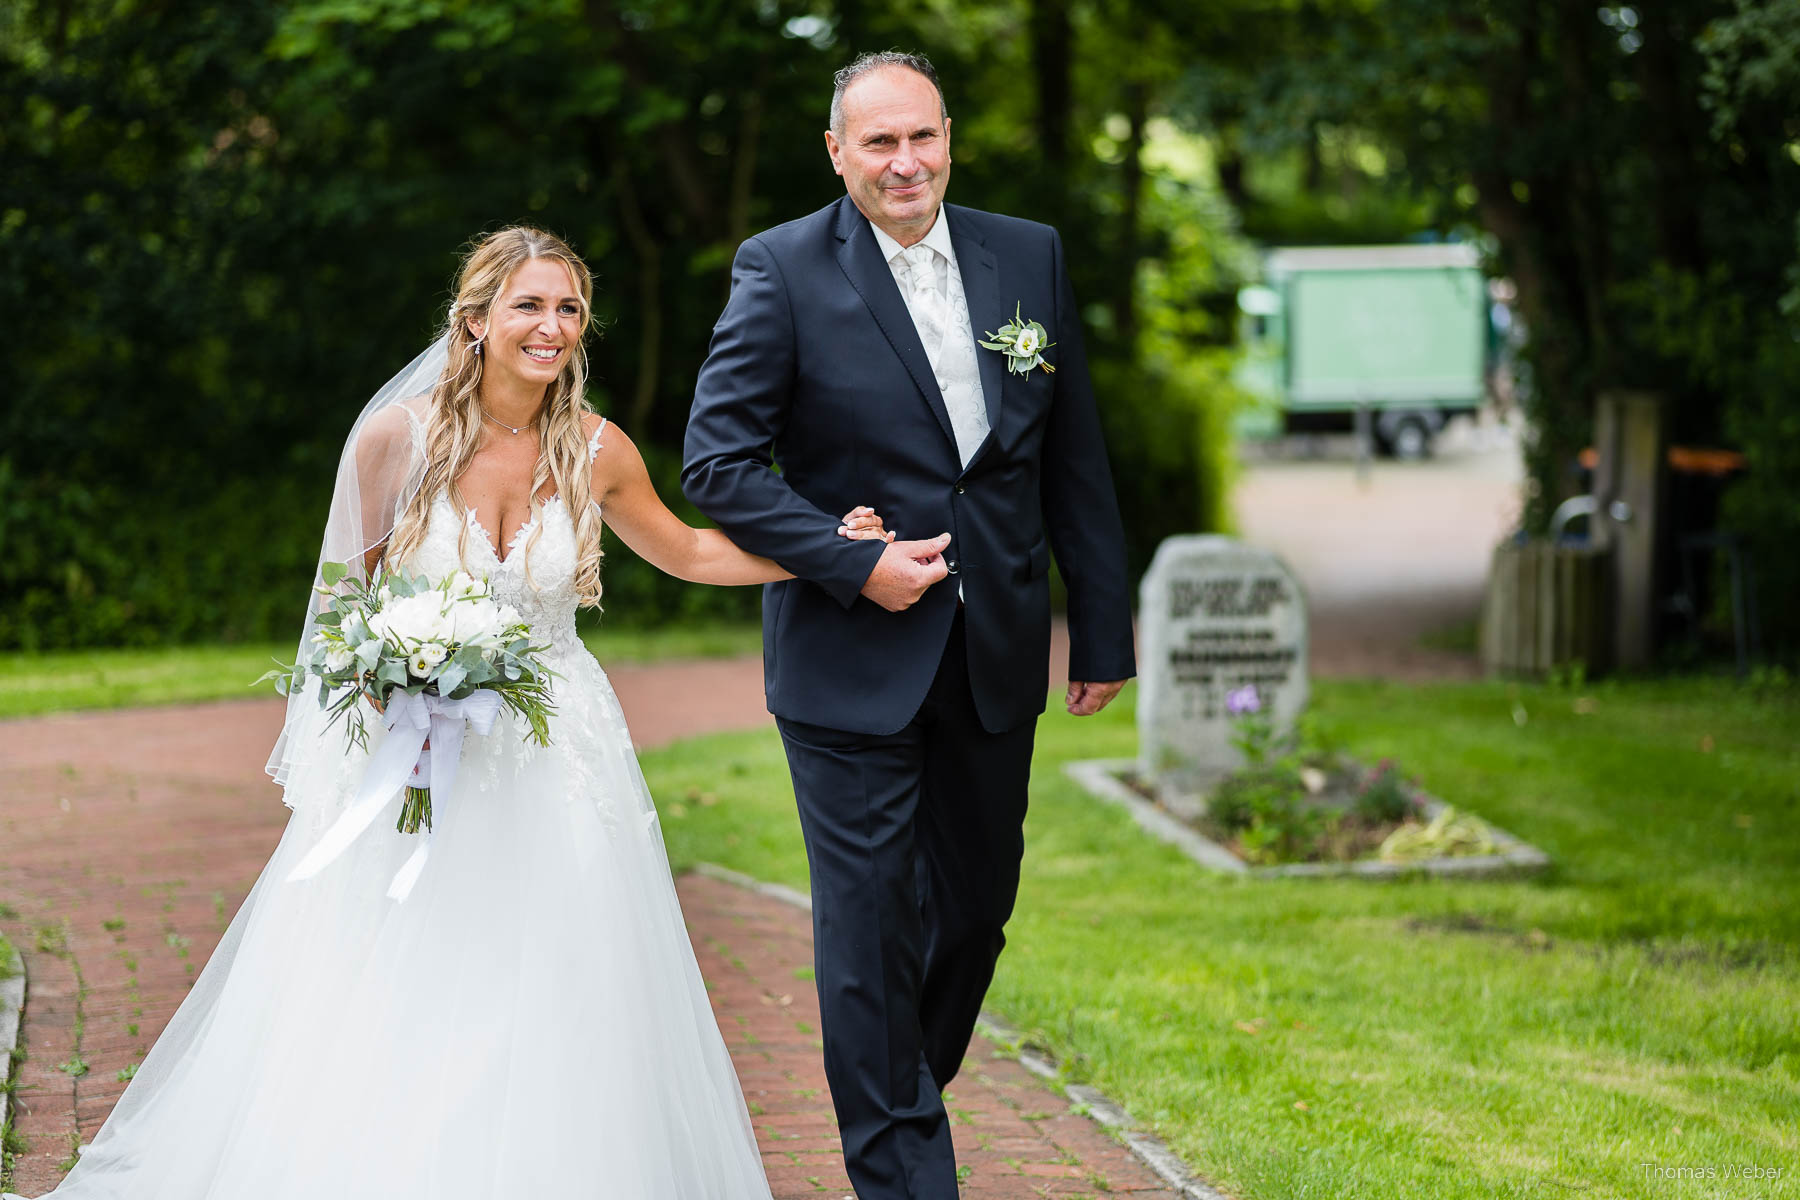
(1325, 811)
(1300, 806)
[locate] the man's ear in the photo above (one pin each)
(947, 157)
(834, 150)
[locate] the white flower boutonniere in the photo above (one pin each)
(1023, 342)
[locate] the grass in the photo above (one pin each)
(1631, 1010)
(36, 684)
(12, 1144)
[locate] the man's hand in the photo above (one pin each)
(905, 570)
(1086, 699)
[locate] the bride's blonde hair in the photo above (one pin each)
(453, 422)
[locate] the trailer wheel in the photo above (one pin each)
(1410, 439)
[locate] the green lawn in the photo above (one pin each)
(9, 1142)
(1636, 1007)
(34, 684)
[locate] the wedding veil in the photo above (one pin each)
(379, 473)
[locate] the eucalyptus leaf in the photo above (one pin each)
(450, 677)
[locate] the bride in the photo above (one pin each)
(529, 1022)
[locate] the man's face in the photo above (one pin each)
(894, 151)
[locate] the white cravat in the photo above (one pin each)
(931, 284)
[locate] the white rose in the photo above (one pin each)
(337, 660)
(432, 653)
(470, 620)
(1027, 341)
(418, 618)
(509, 616)
(465, 584)
(418, 666)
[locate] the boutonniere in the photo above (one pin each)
(1023, 342)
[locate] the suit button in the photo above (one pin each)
(950, 566)
(959, 489)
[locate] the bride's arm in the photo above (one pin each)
(385, 460)
(637, 514)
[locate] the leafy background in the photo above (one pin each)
(223, 224)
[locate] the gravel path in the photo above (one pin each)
(1390, 557)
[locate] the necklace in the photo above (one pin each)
(513, 429)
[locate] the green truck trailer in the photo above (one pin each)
(1401, 331)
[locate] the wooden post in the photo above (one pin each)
(1629, 437)
(1545, 609)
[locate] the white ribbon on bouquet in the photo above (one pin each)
(410, 720)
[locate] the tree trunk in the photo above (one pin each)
(675, 142)
(1533, 236)
(1672, 134)
(649, 306)
(1231, 171)
(743, 166)
(1051, 47)
(1124, 304)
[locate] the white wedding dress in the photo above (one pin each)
(529, 1024)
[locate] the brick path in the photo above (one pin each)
(1014, 1137)
(120, 881)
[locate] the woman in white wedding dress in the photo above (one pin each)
(530, 1022)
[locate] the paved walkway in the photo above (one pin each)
(127, 839)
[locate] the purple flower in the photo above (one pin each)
(1243, 700)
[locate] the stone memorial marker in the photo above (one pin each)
(1214, 614)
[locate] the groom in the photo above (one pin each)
(907, 679)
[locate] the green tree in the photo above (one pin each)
(221, 225)
(1637, 171)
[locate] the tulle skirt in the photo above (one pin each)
(530, 1023)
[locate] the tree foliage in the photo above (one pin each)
(223, 224)
(1635, 169)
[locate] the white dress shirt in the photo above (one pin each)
(931, 284)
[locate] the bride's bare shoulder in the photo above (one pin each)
(606, 439)
(616, 459)
(395, 423)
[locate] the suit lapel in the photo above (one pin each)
(981, 288)
(860, 258)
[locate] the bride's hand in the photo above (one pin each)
(863, 524)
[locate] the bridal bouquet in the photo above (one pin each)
(428, 656)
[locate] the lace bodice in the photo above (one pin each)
(544, 594)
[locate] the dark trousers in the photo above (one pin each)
(914, 841)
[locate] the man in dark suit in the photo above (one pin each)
(907, 678)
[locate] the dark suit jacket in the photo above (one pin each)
(816, 365)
